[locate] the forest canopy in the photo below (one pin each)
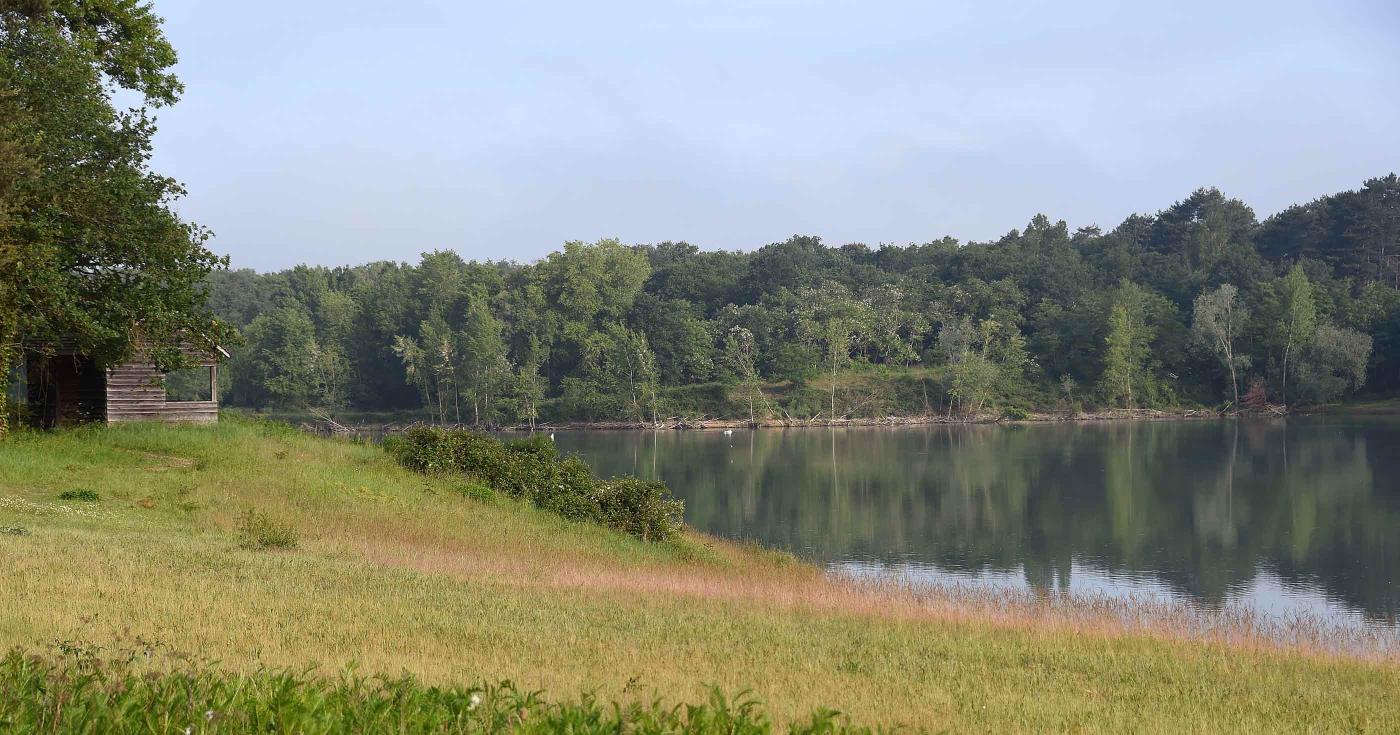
(1199, 304)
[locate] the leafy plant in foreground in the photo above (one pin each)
(77, 691)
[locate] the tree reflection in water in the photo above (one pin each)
(1200, 507)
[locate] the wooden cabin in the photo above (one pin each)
(65, 387)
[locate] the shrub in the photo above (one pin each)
(641, 508)
(257, 531)
(423, 448)
(479, 456)
(84, 495)
(532, 470)
(572, 492)
(1015, 413)
(538, 445)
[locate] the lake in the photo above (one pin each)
(1287, 516)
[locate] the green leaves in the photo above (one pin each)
(532, 470)
(76, 691)
(89, 248)
(1127, 374)
(1218, 317)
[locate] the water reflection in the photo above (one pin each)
(1284, 514)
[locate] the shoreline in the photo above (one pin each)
(706, 424)
(331, 426)
(327, 425)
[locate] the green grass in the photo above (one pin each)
(399, 573)
(1378, 407)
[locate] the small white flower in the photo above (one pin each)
(209, 714)
(473, 701)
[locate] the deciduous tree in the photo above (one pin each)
(92, 250)
(1294, 317)
(1217, 319)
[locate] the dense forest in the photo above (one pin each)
(1200, 304)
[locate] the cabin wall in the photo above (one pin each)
(136, 392)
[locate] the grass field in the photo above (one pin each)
(401, 573)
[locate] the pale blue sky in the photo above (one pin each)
(349, 131)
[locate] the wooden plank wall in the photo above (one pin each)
(136, 392)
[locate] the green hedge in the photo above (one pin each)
(531, 469)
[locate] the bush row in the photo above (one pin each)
(76, 692)
(531, 469)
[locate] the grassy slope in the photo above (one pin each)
(399, 572)
(1376, 407)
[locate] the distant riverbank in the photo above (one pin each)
(353, 423)
(1140, 414)
(396, 421)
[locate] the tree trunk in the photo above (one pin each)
(1234, 383)
(1286, 350)
(833, 390)
(456, 398)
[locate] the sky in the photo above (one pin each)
(345, 132)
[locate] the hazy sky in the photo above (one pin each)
(349, 131)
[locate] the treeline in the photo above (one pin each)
(1199, 304)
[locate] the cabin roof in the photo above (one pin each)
(68, 347)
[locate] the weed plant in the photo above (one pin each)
(258, 531)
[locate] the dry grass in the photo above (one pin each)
(398, 572)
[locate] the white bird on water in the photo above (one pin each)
(729, 432)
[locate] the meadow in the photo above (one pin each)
(253, 549)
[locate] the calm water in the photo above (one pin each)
(1287, 516)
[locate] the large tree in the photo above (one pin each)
(742, 354)
(833, 321)
(1294, 312)
(90, 249)
(1218, 316)
(486, 367)
(1128, 346)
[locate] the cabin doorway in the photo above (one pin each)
(64, 390)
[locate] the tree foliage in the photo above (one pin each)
(1217, 321)
(608, 331)
(90, 249)
(1294, 315)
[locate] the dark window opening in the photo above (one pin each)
(190, 384)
